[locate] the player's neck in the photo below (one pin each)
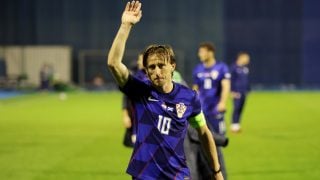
(210, 62)
(166, 88)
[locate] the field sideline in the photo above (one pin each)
(44, 138)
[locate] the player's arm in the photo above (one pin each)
(206, 138)
(195, 79)
(225, 90)
(125, 114)
(234, 93)
(131, 15)
(195, 85)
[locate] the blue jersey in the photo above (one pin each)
(240, 79)
(127, 104)
(162, 121)
(208, 79)
(141, 74)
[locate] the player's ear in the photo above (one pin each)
(211, 53)
(173, 66)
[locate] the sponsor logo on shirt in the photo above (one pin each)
(214, 74)
(152, 99)
(167, 108)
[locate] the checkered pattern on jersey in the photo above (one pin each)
(158, 152)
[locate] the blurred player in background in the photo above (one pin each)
(127, 106)
(162, 109)
(46, 76)
(211, 79)
(240, 87)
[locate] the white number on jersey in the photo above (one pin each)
(207, 83)
(164, 124)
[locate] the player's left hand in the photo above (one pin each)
(221, 107)
(236, 95)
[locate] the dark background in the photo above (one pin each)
(282, 36)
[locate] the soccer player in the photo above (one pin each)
(127, 108)
(162, 109)
(212, 81)
(240, 87)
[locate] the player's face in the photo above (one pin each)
(204, 54)
(244, 59)
(159, 70)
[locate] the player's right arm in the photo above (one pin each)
(131, 15)
(234, 93)
(195, 85)
(225, 90)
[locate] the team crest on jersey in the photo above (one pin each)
(214, 74)
(181, 109)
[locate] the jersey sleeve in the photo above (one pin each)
(196, 119)
(135, 87)
(225, 72)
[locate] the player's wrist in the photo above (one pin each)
(126, 25)
(216, 170)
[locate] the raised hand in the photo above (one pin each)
(132, 13)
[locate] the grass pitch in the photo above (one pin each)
(80, 138)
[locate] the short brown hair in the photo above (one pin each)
(163, 50)
(242, 53)
(209, 46)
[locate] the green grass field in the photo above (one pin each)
(44, 138)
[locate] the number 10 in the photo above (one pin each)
(164, 124)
